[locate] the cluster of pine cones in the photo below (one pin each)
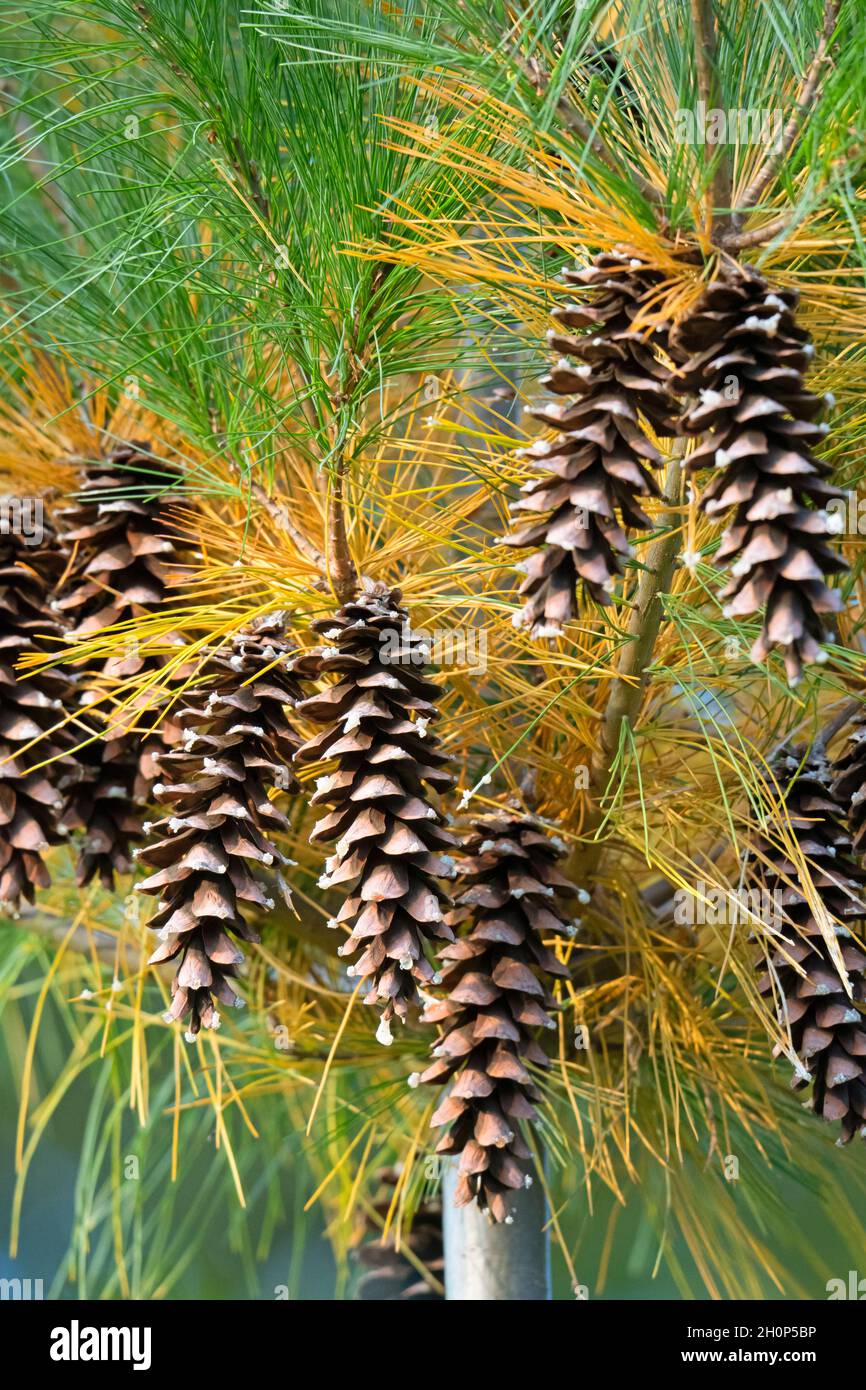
(105, 560)
(211, 854)
(215, 770)
(730, 375)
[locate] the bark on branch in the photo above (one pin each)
(709, 92)
(626, 694)
(756, 236)
(341, 567)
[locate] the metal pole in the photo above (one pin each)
(484, 1261)
(496, 1262)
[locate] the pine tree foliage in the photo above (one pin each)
(305, 259)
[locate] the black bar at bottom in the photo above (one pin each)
(222, 1339)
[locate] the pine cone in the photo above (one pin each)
(849, 783)
(827, 1030)
(237, 745)
(31, 705)
(391, 1276)
(388, 839)
(510, 897)
(100, 805)
(126, 561)
(592, 474)
(745, 358)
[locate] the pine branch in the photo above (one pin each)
(646, 615)
(709, 90)
(757, 236)
(279, 513)
(341, 567)
(250, 171)
(808, 96)
(626, 694)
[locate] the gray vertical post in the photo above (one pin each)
(484, 1261)
(496, 1262)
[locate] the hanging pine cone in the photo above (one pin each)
(31, 719)
(388, 837)
(509, 898)
(744, 357)
(391, 1275)
(593, 473)
(122, 563)
(238, 744)
(827, 1030)
(849, 783)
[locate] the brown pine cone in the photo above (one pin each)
(509, 899)
(391, 1277)
(592, 474)
(125, 560)
(237, 745)
(745, 358)
(849, 783)
(31, 719)
(388, 839)
(827, 1029)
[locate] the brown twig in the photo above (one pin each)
(341, 567)
(626, 694)
(250, 170)
(741, 241)
(808, 96)
(709, 93)
(834, 726)
(279, 513)
(643, 627)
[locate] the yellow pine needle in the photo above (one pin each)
(332, 1053)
